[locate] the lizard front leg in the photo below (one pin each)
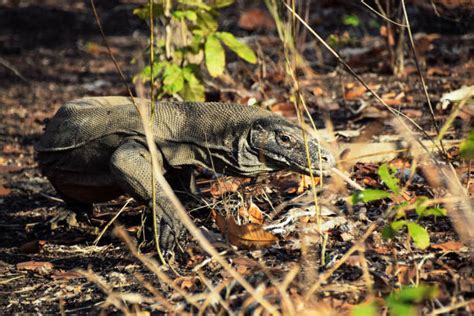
(131, 167)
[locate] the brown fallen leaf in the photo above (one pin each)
(253, 214)
(224, 185)
(186, 283)
(35, 266)
(245, 236)
(286, 109)
(448, 246)
(256, 19)
(4, 191)
(354, 91)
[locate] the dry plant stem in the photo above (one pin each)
(152, 265)
(104, 287)
(117, 67)
(156, 295)
(282, 288)
(382, 15)
(365, 269)
(358, 245)
(447, 309)
(457, 108)
(395, 112)
(214, 293)
(348, 180)
(152, 113)
(422, 79)
(96, 241)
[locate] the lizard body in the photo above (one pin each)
(94, 149)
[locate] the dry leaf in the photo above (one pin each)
(406, 274)
(317, 91)
(186, 283)
(356, 91)
(4, 191)
(253, 214)
(256, 19)
(224, 185)
(245, 236)
(448, 246)
(35, 266)
(286, 109)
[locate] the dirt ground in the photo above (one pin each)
(52, 52)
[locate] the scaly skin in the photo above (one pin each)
(94, 149)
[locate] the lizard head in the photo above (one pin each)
(280, 145)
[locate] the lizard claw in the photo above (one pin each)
(170, 229)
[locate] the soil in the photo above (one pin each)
(52, 52)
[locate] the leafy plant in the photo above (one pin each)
(418, 233)
(190, 38)
(400, 303)
(467, 146)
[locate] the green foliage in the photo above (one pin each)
(365, 309)
(467, 146)
(193, 32)
(215, 56)
(388, 177)
(404, 302)
(369, 195)
(418, 233)
(351, 20)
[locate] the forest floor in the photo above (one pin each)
(52, 52)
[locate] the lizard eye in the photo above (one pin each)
(284, 139)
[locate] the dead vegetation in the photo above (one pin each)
(281, 243)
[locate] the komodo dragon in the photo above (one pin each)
(94, 149)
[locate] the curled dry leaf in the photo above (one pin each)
(253, 214)
(243, 236)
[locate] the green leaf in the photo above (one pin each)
(435, 211)
(222, 3)
(421, 205)
(467, 146)
(241, 49)
(365, 309)
(173, 79)
(215, 56)
(388, 177)
(196, 3)
(144, 75)
(369, 195)
(188, 14)
(404, 302)
(398, 225)
(401, 209)
(420, 236)
(206, 22)
(144, 11)
(388, 232)
(351, 20)
(402, 309)
(193, 89)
